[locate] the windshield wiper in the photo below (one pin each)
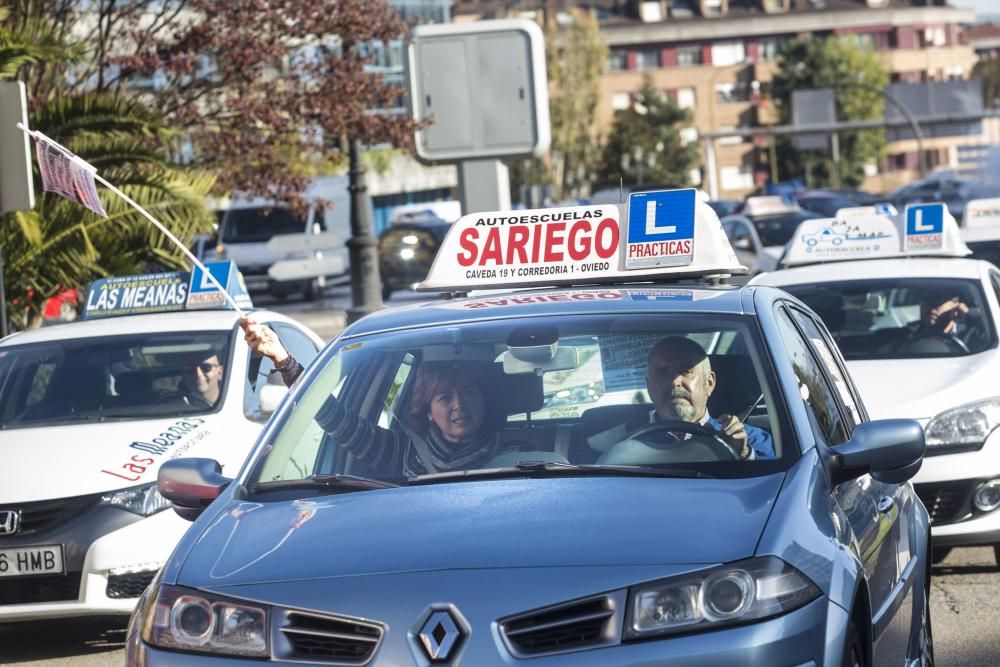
(555, 469)
(332, 483)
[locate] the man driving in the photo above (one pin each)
(680, 379)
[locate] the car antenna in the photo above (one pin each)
(621, 188)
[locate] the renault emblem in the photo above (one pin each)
(10, 522)
(439, 635)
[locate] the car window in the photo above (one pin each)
(258, 225)
(260, 369)
(114, 377)
(740, 235)
(573, 397)
(902, 317)
(815, 390)
(828, 359)
(777, 230)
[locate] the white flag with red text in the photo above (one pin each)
(67, 175)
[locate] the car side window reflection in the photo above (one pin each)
(818, 396)
(829, 360)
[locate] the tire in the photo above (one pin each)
(386, 292)
(996, 554)
(926, 640)
(938, 554)
(313, 291)
(854, 650)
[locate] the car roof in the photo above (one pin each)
(188, 320)
(654, 299)
(894, 267)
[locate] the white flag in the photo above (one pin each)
(67, 175)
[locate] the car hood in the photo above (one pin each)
(923, 388)
(63, 461)
(520, 523)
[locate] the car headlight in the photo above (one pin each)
(968, 424)
(742, 592)
(184, 619)
(143, 500)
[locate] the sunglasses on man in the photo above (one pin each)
(205, 367)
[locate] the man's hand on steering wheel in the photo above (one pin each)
(731, 432)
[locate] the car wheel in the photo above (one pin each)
(938, 554)
(386, 292)
(996, 554)
(854, 651)
(926, 655)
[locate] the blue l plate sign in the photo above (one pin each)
(924, 226)
(660, 229)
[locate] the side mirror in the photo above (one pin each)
(191, 485)
(271, 394)
(891, 450)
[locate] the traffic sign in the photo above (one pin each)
(313, 267)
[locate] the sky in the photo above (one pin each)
(981, 6)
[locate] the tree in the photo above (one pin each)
(644, 144)
(258, 89)
(576, 58)
(61, 244)
(987, 69)
(858, 78)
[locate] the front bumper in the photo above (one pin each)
(810, 636)
(110, 556)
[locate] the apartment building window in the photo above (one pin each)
(621, 101)
(648, 58)
(728, 53)
(775, 5)
(688, 135)
(732, 93)
(933, 36)
(686, 98)
(688, 56)
(733, 140)
(711, 7)
(617, 60)
(770, 47)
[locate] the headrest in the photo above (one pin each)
(517, 394)
(133, 382)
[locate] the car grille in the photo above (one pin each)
(131, 585)
(947, 502)
(44, 514)
(327, 639)
(47, 588)
(570, 627)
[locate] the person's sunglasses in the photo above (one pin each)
(205, 367)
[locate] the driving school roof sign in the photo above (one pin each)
(164, 292)
(829, 239)
(582, 245)
(660, 229)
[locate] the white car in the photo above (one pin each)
(877, 305)
(759, 232)
(88, 412)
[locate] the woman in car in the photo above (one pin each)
(447, 426)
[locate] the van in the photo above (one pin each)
(247, 226)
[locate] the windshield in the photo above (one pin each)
(826, 206)
(777, 230)
(902, 317)
(121, 377)
(404, 405)
(258, 225)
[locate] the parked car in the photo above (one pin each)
(954, 192)
(760, 231)
(406, 251)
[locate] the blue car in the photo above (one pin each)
(607, 471)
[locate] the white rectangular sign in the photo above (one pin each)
(284, 244)
(298, 269)
(21, 561)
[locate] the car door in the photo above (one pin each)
(869, 505)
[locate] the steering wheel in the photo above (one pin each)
(709, 439)
(195, 401)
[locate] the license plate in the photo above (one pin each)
(20, 561)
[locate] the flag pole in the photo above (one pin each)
(41, 137)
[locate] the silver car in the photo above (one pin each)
(592, 534)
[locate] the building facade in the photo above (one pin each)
(715, 56)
